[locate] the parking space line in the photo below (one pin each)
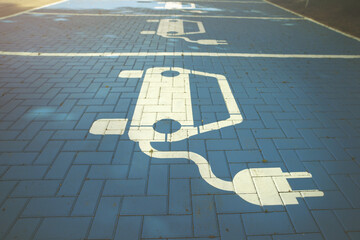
(162, 15)
(33, 9)
(314, 21)
(179, 54)
(222, 1)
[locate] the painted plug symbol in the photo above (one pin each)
(174, 28)
(165, 96)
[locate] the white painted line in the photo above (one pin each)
(161, 15)
(27, 11)
(314, 21)
(179, 54)
(222, 1)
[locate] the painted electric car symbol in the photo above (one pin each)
(165, 97)
(176, 5)
(184, 7)
(174, 28)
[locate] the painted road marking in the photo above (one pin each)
(161, 15)
(33, 9)
(314, 21)
(165, 98)
(175, 28)
(178, 54)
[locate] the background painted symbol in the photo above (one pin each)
(174, 28)
(165, 99)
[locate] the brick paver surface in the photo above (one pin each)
(180, 141)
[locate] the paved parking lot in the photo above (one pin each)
(177, 120)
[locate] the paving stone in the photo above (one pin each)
(124, 187)
(88, 198)
(105, 218)
(158, 180)
(73, 181)
(60, 166)
(147, 205)
(93, 157)
(299, 214)
(108, 172)
(17, 158)
(167, 226)
(303, 236)
(319, 175)
(349, 219)
(330, 227)
(10, 211)
(267, 223)
(49, 153)
(204, 219)
(71, 228)
(128, 228)
(349, 189)
(23, 229)
(246, 139)
(268, 150)
(330, 200)
(38, 188)
(179, 197)
(231, 226)
(243, 156)
(48, 207)
(184, 171)
(25, 173)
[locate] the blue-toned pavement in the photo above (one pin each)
(169, 120)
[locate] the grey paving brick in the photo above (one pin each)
(343, 167)
(300, 215)
(17, 158)
(231, 226)
(349, 189)
(268, 150)
(243, 156)
(158, 180)
(321, 178)
(129, 187)
(38, 188)
(73, 181)
(88, 198)
(49, 153)
(267, 223)
(314, 155)
(128, 228)
(223, 144)
(93, 157)
(330, 200)
(71, 228)
(60, 166)
(167, 226)
(25, 173)
(39, 141)
(349, 219)
(105, 218)
(48, 207)
(147, 205)
(139, 165)
(23, 229)
(329, 225)
(184, 171)
(108, 172)
(246, 139)
(303, 236)
(81, 146)
(10, 211)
